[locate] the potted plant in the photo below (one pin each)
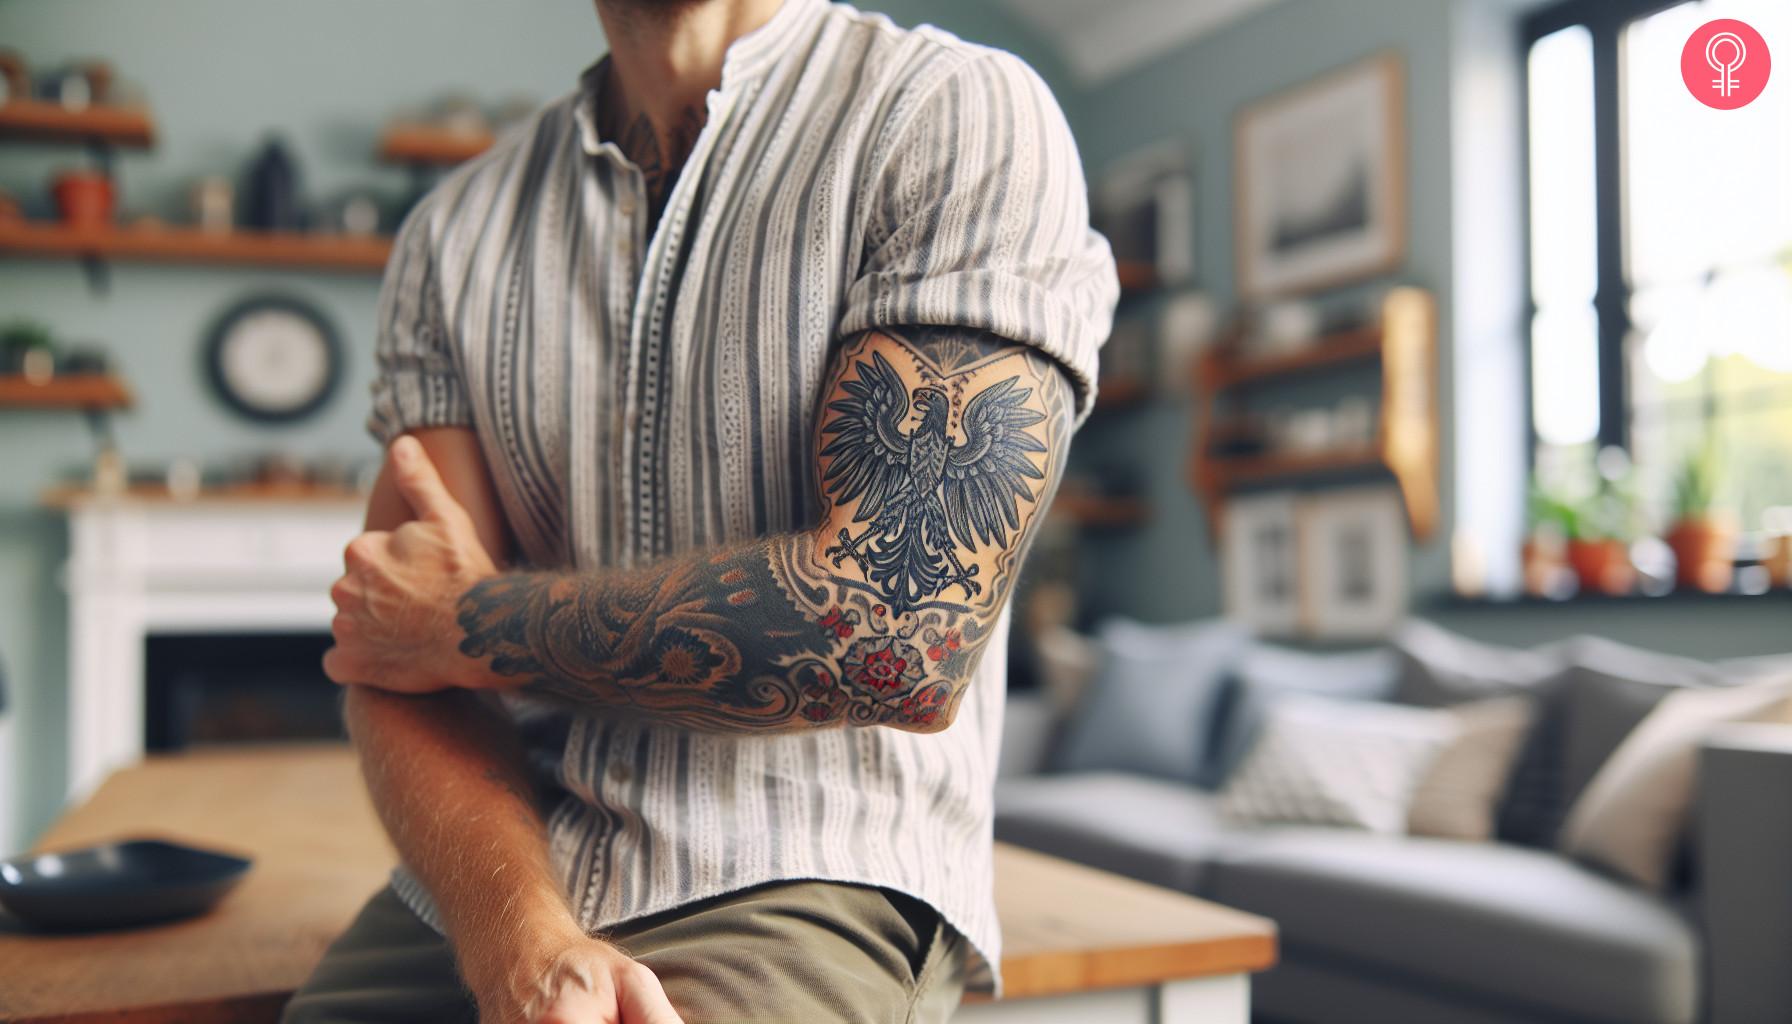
(1594, 529)
(1703, 536)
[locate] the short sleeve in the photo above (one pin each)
(418, 382)
(980, 219)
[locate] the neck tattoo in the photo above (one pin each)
(659, 155)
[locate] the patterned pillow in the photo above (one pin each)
(1351, 763)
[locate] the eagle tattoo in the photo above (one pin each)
(922, 494)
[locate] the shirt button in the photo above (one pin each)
(619, 773)
(634, 419)
(626, 207)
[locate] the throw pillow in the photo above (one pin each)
(1336, 762)
(1586, 710)
(1149, 709)
(1459, 796)
(1439, 668)
(1632, 815)
(1265, 673)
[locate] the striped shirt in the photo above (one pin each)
(639, 396)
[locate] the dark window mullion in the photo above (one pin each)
(1611, 300)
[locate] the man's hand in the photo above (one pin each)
(395, 622)
(572, 980)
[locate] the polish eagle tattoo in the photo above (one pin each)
(923, 495)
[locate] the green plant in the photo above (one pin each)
(1695, 485)
(24, 335)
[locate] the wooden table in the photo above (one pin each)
(1080, 944)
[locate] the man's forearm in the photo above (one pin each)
(446, 771)
(753, 637)
(446, 774)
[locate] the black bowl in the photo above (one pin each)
(116, 885)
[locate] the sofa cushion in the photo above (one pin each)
(1353, 763)
(1504, 922)
(1586, 710)
(1265, 673)
(1149, 829)
(1438, 668)
(1150, 708)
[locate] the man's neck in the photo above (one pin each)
(665, 57)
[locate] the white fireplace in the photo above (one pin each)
(143, 566)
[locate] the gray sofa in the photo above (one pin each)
(1434, 931)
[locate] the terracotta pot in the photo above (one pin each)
(1544, 566)
(1779, 560)
(83, 198)
(1704, 553)
(1602, 566)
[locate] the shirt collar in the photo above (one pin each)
(748, 58)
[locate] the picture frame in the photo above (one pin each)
(1260, 562)
(1320, 182)
(1354, 549)
(1144, 204)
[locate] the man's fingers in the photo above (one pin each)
(576, 1004)
(420, 485)
(338, 667)
(642, 998)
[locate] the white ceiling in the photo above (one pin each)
(1102, 38)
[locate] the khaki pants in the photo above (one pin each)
(804, 952)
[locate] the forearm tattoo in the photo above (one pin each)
(937, 453)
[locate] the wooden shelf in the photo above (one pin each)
(1119, 392)
(1406, 443)
(76, 391)
(191, 245)
(67, 496)
(37, 121)
(1350, 347)
(1097, 511)
(1251, 469)
(422, 144)
(1136, 276)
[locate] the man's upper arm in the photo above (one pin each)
(457, 457)
(937, 452)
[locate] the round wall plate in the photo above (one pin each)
(274, 358)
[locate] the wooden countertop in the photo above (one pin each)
(319, 853)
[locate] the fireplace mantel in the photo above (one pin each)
(139, 566)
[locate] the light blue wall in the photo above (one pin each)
(220, 74)
(1167, 571)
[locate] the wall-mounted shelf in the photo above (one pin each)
(1121, 392)
(1136, 277)
(1404, 340)
(423, 145)
(1097, 511)
(92, 392)
(191, 245)
(1336, 350)
(37, 121)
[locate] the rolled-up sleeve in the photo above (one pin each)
(418, 382)
(980, 219)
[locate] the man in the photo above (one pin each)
(759, 354)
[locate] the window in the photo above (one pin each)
(1660, 258)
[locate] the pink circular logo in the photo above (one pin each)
(1725, 64)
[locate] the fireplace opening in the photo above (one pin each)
(225, 688)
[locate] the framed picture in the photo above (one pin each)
(1319, 181)
(1354, 548)
(1260, 563)
(1144, 204)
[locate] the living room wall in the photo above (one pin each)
(220, 75)
(1166, 570)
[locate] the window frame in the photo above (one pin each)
(1605, 21)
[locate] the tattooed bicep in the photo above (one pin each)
(937, 451)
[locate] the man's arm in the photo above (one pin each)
(937, 452)
(446, 773)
